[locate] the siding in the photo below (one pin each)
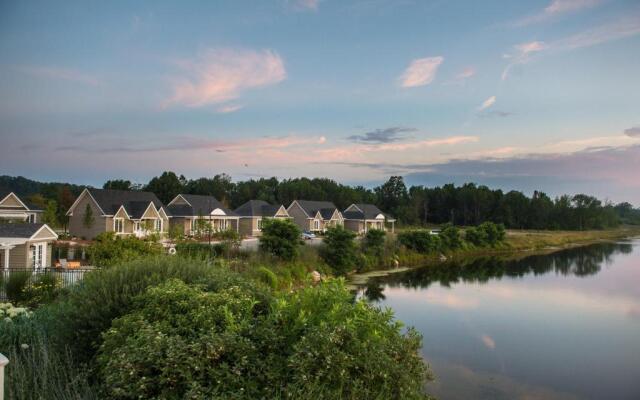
(299, 216)
(355, 226)
(76, 226)
(19, 256)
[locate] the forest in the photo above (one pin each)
(468, 204)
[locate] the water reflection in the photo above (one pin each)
(558, 326)
(580, 262)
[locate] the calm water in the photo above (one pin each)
(559, 326)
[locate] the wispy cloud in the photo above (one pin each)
(229, 108)
(615, 30)
(386, 135)
(633, 132)
(496, 113)
(488, 342)
(65, 74)
(487, 103)
(461, 77)
(304, 5)
(421, 72)
(556, 9)
(220, 75)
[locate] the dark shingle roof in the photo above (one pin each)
(257, 208)
(134, 202)
(19, 230)
(368, 211)
(326, 208)
(199, 205)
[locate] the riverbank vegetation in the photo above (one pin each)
(174, 327)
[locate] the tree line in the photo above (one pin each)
(468, 204)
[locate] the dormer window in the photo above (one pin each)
(118, 225)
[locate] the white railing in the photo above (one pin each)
(3, 361)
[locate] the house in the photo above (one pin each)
(26, 246)
(13, 209)
(362, 217)
(191, 211)
(315, 216)
(124, 212)
(253, 212)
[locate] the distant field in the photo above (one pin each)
(529, 239)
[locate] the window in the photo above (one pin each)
(194, 225)
(118, 225)
(159, 225)
(316, 224)
(136, 226)
(260, 224)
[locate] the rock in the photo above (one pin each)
(315, 275)
(396, 263)
(443, 257)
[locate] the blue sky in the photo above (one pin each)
(525, 95)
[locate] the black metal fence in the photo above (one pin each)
(27, 277)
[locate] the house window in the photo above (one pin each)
(31, 218)
(118, 225)
(194, 225)
(136, 226)
(226, 224)
(36, 255)
(259, 224)
(316, 224)
(158, 225)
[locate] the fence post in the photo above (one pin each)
(3, 361)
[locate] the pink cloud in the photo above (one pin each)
(305, 4)
(488, 342)
(220, 75)
(229, 108)
(65, 74)
(557, 8)
(487, 103)
(421, 72)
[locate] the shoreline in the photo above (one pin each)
(547, 242)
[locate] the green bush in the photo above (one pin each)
(199, 250)
(266, 276)
(15, 286)
(339, 250)
(420, 240)
(476, 236)
(281, 238)
(109, 249)
(373, 242)
(181, 341)
(450, 236)
(495, 232)
(105, 294)
(44, 289)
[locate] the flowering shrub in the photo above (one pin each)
(9, 313)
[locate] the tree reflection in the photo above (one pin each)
(581, 262)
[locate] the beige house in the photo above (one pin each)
(191, 212)
(254, 212)
(315, 216)
(124, 212)
(12, 209)
(361, 218)
(26, 246)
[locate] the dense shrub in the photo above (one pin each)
(106, 294)
(476, 236)
(199, 250)
(420, 240)
(339, 250)
(43, 289)
(495, 232)
(373, 242)
(280, 237)
(181, 341)
(15, 286)
(109, 249)
(450, 237)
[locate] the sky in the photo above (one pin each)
(517, 95)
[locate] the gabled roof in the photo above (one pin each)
(24, 231)
(362, 211)
(257, 208)
(135, 203)
(198, 205)
(325, 208)
(27, 204)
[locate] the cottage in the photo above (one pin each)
(124, 212)
(190, 212)
(13, 209)
(254, 212)
(315, 216)
(362, 217)
(26, 246)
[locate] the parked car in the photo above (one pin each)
(306, 235)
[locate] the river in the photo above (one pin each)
(564, 325)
